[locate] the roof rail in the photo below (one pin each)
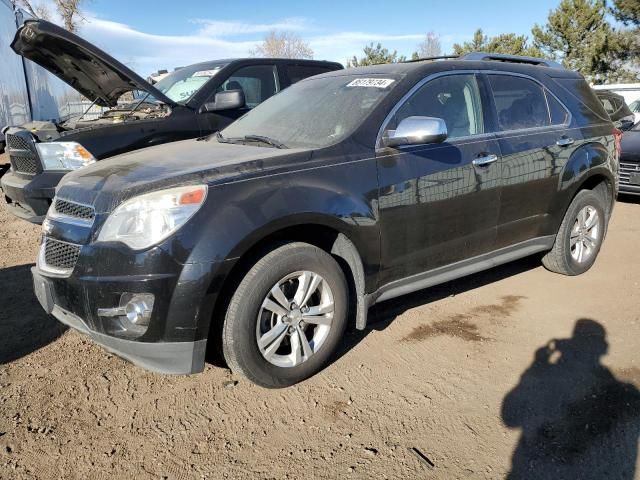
(426, 59)
(499, 57)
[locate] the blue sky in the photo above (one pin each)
(148, 35)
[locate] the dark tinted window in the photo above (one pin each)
(520, 102)
(559, 115)
(300, 72)
(258, 82)
(590, 106)
(453, 98)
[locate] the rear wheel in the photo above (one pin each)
(287, 316)
(580, 236)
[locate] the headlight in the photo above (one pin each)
(63, 155)
(146, 220)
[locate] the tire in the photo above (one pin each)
(562, 257)
(248, 319)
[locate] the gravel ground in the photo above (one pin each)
(513, 370)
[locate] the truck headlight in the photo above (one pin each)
(147, 219)
(63, 155)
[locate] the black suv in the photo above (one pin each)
(185, 104)
(344, 190)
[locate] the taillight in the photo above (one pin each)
(617, 137)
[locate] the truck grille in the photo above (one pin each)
(23, 154)
(626, 170)
(60, 255)
(25, 165)
(72, 209)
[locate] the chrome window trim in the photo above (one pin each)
(421, 83)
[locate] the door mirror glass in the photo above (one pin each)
(417, 131)
(229, 100)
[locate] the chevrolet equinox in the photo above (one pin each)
(347, 189)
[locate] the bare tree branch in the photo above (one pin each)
(282, 45)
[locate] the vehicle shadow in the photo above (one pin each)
(383, 314)
(577, 419)
(24, 326)
(626, 198)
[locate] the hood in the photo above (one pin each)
(83, 66)
(108, 183)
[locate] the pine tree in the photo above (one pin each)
(578, 34)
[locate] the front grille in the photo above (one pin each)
(626, 169)
(25, 164)
(23, 155)
(71, 209)
(60, 255)
(18, 143)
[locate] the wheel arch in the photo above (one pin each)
(321, 233)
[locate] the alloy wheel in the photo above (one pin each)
(295, 319)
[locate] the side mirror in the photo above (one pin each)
(417, 131)
(229, 100)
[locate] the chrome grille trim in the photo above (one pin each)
(626, 169)
(58, 258)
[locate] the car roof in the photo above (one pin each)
(261, 60)
(428, 66)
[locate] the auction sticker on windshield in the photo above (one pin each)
(205, 73)
(371, 82)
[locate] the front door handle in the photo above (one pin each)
(485, 160)
(565, 142)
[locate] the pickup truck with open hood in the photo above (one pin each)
(190, 102)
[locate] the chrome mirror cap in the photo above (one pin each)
(417, 131)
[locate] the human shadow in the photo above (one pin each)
(577, 420)
(24, 325)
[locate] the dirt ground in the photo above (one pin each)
(442, 386)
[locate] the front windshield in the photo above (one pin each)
(183, 84)
(314, 113)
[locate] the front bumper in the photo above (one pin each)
(174, 341)
(29, 198)
(167, 357)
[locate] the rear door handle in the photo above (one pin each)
(485, 160)
(565, 142)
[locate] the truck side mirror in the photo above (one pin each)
(229, 100)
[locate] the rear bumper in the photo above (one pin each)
(29, 198)
(178, 358)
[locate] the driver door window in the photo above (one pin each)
(453, 98)
(258, 82)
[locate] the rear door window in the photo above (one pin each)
(258, 82)
(520, 102)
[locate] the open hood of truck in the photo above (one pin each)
(92, 72)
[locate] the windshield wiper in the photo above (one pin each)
(263, 139)
(250, 138)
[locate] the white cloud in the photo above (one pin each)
(211, 40)
(214, 28)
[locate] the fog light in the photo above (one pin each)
(138, 309)
(134, 307)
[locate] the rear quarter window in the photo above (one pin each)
(589, 106)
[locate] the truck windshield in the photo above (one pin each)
(184, 83)
(314, 113)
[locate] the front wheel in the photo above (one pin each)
(287, 316)
(580, 236)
